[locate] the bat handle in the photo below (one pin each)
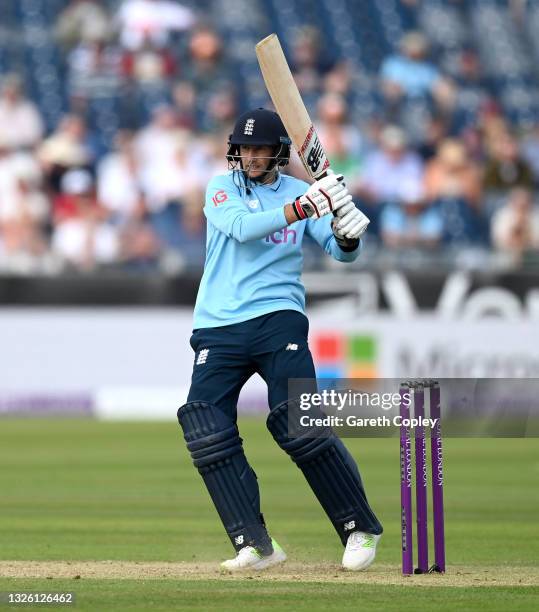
(327, 173)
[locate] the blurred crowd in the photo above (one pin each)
(437, 166)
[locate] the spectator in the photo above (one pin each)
(409, 73)
(139, 247)
(472, 90)
(451, 174)
(453, 183)
(120, 193)
(530, 149)
(140, 21)
(411, 222)
(149, 65)
(492, 128)
(505, 168)
(155, 144)
(82, 237)
(435, 131)
(214, 148)
(339, 79)
(94, 71)
(21, 126)
(82, 20)
(207, 69)
(68, 147)
(222, 110)
(341, 140)
(389, 167)
(192, 230)
(515, 226)
(184, 101)
(173, 172)
(23, 205)
(118, 183)
(179, 181)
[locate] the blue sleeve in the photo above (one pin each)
(320, 230)
(226, 210)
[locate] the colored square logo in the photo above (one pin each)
(329, 347)
(330, 372)
(338, 355)
(361, 348)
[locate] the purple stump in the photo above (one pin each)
(406, 482)
(437, 480)
(421, 483)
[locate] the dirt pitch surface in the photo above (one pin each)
(379, 574)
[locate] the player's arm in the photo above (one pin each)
(225, 209)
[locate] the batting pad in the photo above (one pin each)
(216, 449)
(330, 471)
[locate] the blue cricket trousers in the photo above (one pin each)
(273, 345)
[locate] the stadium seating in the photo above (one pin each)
(362, 32)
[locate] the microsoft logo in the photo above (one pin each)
(338, 355)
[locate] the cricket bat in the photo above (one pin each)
(290, 107)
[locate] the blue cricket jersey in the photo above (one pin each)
(253, 257)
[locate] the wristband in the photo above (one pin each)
(298, 210)
(348, 244)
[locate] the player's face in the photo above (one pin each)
(256, 159)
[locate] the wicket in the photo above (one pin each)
(416, 391)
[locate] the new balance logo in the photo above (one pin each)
(202, 356)
(315, 155)
(312, 153)
(249, 127)
(238, 539)
(349, 526)
(291, 347)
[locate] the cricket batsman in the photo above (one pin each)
(250, 318)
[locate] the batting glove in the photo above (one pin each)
(346, 244)
(352, 224)
(322, 198)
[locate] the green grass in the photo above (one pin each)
(290, 596)
(82, 490)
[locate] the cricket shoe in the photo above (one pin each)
(248, 558)
(360, 550)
